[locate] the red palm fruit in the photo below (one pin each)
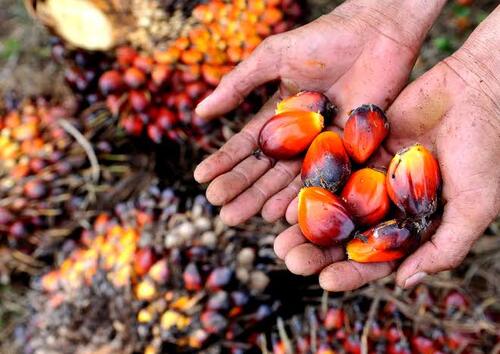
(190, 73)
(183, 102)
(213, 322)
(111, 81)
(352, 344)
(365, 194)
(113, 103)
(334, 318)
(326, 163)
(219, 278)
(18, 230)
(385, 242)
(161, 73)
(125, 56)
(192, 278)
(454, 302)
(364, 131)
(133, 124)
(6, 216)
(197, 89)
(139, 100)
(456, 340)
(399, 347)
(165, 118)
(134, 78)
(35, 189)
(143, 260)
(310, 101)
(394, 334)
(323, 217)
(154, 133)
(413, 181)
(288, 134)
(144, 63)
(423, 345)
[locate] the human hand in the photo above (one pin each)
(454, 110)
(362, 52)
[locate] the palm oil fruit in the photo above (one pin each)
(310, 101)
(289, 133)
(364, 131)
(414, 180)
(365, 194)
(323, 218)
(385, 242)
(326, 163)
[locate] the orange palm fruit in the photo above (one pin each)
(364, 131)
(326, 163)
(161, 73)
(385, 242)
(168, 56)
(365, 194)
(323, 218)
(310, 101)
(289, 133)
(414, 180)
(191, 56)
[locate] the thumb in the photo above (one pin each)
(447, 248)
(260, 67)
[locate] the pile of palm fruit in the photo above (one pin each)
(125, 255)
(431, 318)
(53, 168)
(165, 273)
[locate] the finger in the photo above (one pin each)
(446, 249)
(350, 275)
(291, 211)
(287, 240)
(260, 67)
(228, 185)
(250, 202)
(276, 206)
(237, 148)
(307, 259)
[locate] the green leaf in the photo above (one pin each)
(461, 11)
(442, 43)
(9, 47)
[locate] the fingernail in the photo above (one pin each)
(201, 107)
(413, 280)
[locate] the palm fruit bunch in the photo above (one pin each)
(360, 214)
(154, 92)
(188, 280)
(52, 169)
(428, 319)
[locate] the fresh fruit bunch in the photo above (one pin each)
(157, 93)
(154, 93)
(192, 281)
(426, 320)
(52, 168)
(82, 70)
(360, 213)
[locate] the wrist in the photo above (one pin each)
(407, 21)
(478, 60)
